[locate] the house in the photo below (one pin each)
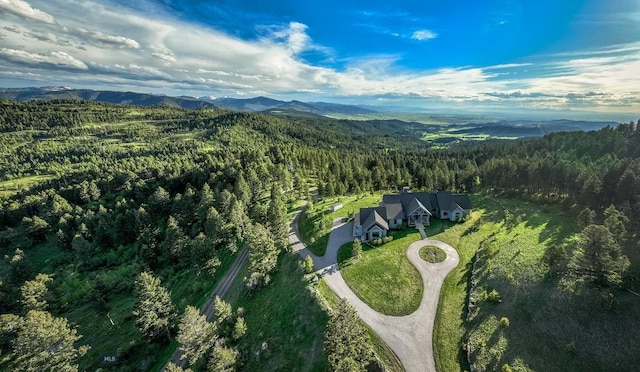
(410, 208)
(371, 223)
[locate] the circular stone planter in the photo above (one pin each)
(432, 254)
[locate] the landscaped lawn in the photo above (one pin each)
(315, 229)
(383, 277)
(432, 254)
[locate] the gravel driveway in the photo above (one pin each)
(410, 337)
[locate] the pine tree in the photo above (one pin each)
(174, 239)
(616, 222)
(586, 217)
(263, 255)
(221, 312)
(239, 329)
(599, 258)
(345, 340)
(277, 221)
(195, 335)
(34, 292)
(154, 311)
(223, 359)
(45, 343)
(241, 189)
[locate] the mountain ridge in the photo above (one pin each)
(255, 104)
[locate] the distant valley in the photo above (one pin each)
(439, 129)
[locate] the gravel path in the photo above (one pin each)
(410, 337)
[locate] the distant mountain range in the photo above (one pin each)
(257, 104)
(505, 128)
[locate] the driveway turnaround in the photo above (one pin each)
(410, 337)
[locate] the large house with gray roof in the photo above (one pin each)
(410, 208)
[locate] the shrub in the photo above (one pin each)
(506, 368)
(504, 321)
(494, 296)
(312, 240)
(307, 265)
(387, 239)
(377, 241)
(571, 347)
(356, 249)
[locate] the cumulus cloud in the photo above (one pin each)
(423, 34)
(24, 9)
(55, 58)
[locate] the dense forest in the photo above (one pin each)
(102, 207)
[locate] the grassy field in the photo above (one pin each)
(316, 227)
(543, 323)
(383, 277)
(432, 254)
(285, 322)
(11, 187)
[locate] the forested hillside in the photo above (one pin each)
(102, 205)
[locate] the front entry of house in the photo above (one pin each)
(375, 233)
(419, 216)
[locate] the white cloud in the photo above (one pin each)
(102, 37)
(296, 38)
(24, 9)
(56, 58)
(423, 35)
(119, 48)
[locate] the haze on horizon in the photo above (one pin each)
(490, 55)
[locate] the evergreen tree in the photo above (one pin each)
(241, 189)
(277, 221)
(174, 368)
(223, 359)
(160, 202)
(195, 335)
(239, 329)
(222, 313)
(34, 292)
(616, 222)
(586, 217)
(599, 258)
(174, 239)
(346, 342)
(154, 311)
(45, 343)
(263, 255)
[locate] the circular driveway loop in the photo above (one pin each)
(410, 336)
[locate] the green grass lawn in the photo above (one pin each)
(554, 324)
(432, 254)
(314, 233)
(383, 277)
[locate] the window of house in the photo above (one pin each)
(375, 234)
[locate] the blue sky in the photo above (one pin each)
(565, 55)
